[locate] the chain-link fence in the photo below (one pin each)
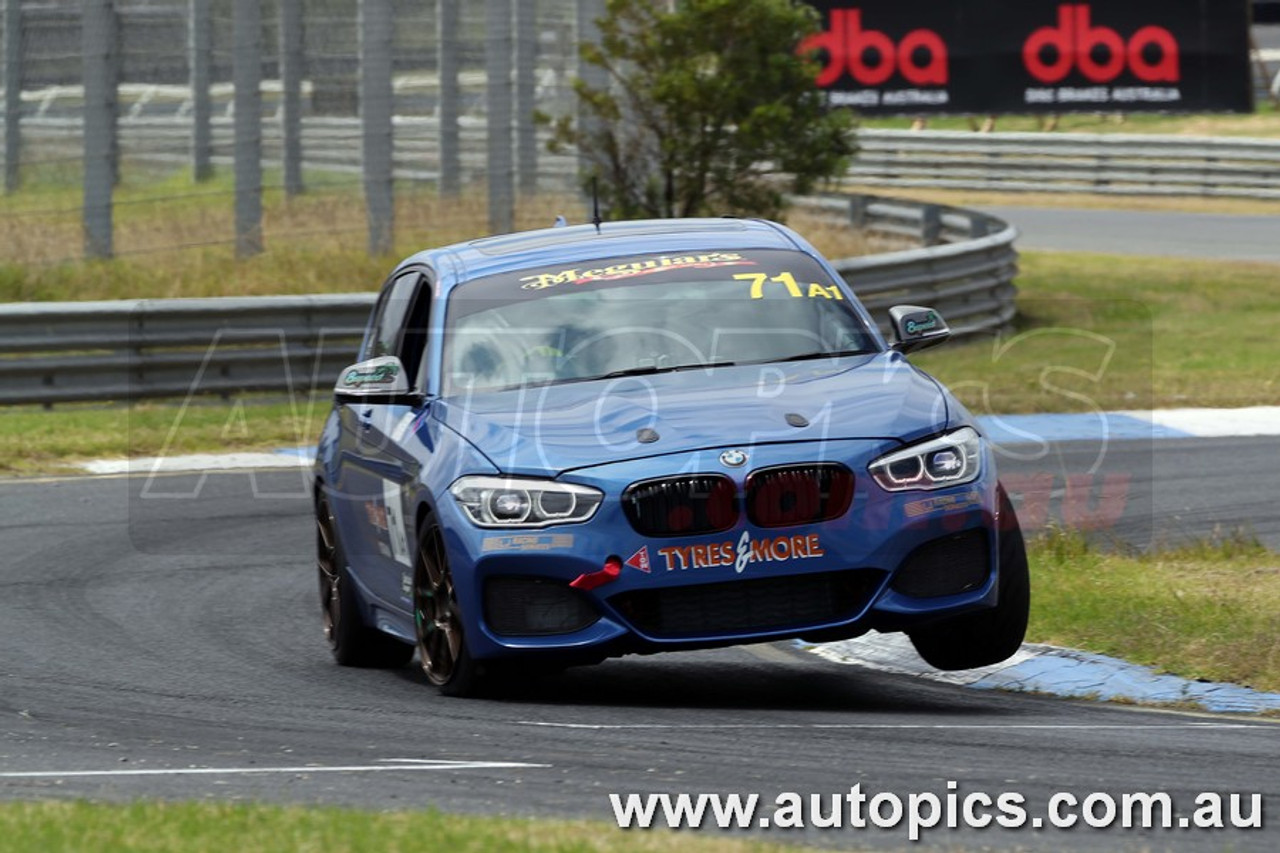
(193, 114)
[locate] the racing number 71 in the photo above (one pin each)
(787, 280)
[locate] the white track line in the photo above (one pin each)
(925, 726)
(410, 765)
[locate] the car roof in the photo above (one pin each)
(572, 244)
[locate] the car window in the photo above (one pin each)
(645, 314)
(400, 323)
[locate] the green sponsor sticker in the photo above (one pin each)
(919, 327)
(383, 374)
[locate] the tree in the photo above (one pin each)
(709, 109)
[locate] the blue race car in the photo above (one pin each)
(564, 445)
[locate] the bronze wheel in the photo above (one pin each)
(442, 646)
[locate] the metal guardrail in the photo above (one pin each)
(1115, 164)
(65, 352)
(1109, 164)
(963, 263)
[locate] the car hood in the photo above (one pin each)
(545, 431)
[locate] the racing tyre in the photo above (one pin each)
(991, 636)
(442, 646)
(350, 640)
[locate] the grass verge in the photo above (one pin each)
(70, 827)
(1209, 610)
(51, 442)
(1110, 332)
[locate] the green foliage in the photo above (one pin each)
(705, 109)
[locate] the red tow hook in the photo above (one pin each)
(590, 580)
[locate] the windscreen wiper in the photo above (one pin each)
(650, 369)
(807, 356)
(647, 370)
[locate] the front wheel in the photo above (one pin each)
(991, 636)
(350, 640)
(437, 619)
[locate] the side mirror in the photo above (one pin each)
(381, 379)
(915, 327)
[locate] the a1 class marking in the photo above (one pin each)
(787, 280)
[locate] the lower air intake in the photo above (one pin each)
(530, 607)
(749, 606)
(947, 566)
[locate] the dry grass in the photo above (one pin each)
(173, 239)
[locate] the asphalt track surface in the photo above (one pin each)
(155, 635)
(1169, 234)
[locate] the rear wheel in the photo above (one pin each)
(991, 636)
(442, 644)
(350, 641)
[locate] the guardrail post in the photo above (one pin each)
(930, 225)
(375, 121)
(99, 46)
(447, 112)
(200, 57)
(12, 93)
(526, 92)
(291, 93)
(136, 325)
(858, 211)
(501, 167)
(247, 76)
(595, 77)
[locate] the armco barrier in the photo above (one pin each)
(133, 349)
(1108, 164)
(963, 265)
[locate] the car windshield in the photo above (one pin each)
(645, 314)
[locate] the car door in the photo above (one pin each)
(374, 466)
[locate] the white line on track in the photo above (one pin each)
(940, 726)
(391, 765)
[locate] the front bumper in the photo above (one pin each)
(892, 561)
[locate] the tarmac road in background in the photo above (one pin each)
(1127, 232)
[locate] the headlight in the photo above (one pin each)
(498, 502)
(949, 460)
